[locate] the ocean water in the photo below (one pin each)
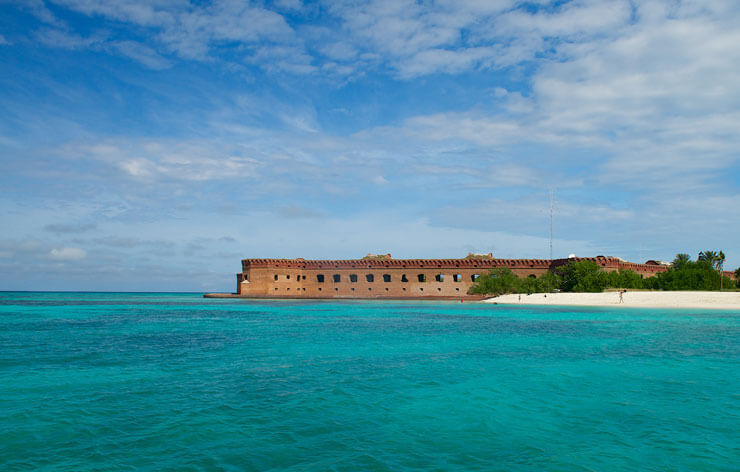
(92, 381)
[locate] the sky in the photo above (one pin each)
(152, 145)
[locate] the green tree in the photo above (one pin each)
(714, 258)
(582, 276)
(548, 282)
(624, 279)
(681, 260)
(498, 281)
(699, 275)
(529, 285)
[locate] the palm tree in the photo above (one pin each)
(716, 260)
(681, 260)
(720, 260)
(708, 256)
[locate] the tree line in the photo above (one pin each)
(588, 276)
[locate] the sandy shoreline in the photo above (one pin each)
(710, 300)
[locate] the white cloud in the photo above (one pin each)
(66, 227)
(67, 254)
(63, 39)
(168, 160)
(141, 53)
(41, 12)
(192, 32)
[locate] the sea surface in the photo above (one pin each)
(121, 381)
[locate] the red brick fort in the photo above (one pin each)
(385, 277)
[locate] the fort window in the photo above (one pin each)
(439, 289)
(439, 277)
(422, 278)
(276, 276)
(532, 276)
(319, 289)
(320, 278)
(474, 277)
(457, 277)
(353, 278)
(370, 278)
(386, 289)
(287, 276)
(386, 277)
(404, 278)
(337, 278)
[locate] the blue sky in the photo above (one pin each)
(151, 145)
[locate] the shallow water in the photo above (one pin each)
(96, 381)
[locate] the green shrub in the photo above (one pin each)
(582, 276)
(699, 275)
(498, 281)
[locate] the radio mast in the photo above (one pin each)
(551, 225)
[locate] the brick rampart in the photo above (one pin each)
(393, 278)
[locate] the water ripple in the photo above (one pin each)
(173, 382)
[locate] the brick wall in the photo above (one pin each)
(392, 278)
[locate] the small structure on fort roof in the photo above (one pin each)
(479, 256)
(381, 276)
(376, 257)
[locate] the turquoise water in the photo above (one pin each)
(93, 381)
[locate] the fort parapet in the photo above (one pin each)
(385, 277)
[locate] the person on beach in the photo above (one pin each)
(621, 296)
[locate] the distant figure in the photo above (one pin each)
(621, 296)
(520, 297)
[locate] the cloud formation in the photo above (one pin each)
(67, 254)
(295, 127)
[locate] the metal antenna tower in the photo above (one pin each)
(550, 224)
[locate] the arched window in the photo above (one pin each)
(457, 277)
(370, 278)
(353, 278)
(474, 277)
(320, 278)
(337, 278)
(422, 278)
(404, 278)
(386, 278)
(439, 277)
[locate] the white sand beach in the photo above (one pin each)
(712, 300)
